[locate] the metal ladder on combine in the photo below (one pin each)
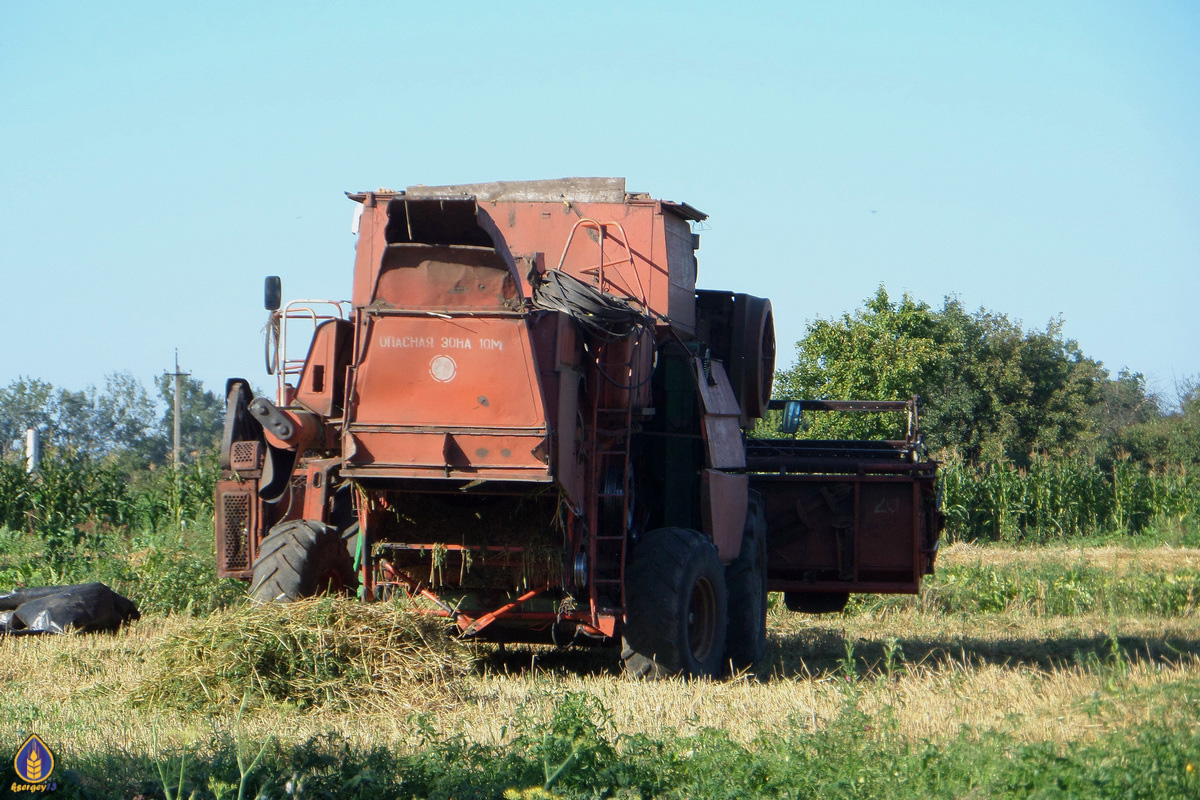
(608, 513)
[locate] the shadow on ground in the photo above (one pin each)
(527, 659)
(820, 651)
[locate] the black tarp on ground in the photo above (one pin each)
(59, 609)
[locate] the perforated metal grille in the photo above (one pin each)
(244, 455)
(235, 513)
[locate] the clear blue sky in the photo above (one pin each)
(158, 159)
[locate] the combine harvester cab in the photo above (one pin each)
(528, 421)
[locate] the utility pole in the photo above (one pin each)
(178, 382)
(33, 450)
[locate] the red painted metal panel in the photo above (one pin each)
(885, 531)
(323, 378)
(647, 252)
(721, 427)
(858, 533)
(436, 395)
(238, 510)
(400, 453)
(369, 249)
(429, 371)
(723, 507)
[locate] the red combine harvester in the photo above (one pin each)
(529, 420)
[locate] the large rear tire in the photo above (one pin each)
(301, 558)
(676, 606)
(746, 579)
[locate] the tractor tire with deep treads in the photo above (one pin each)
(675, 606)
(746, 581)
(301, 558)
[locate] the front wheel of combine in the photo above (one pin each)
(675, 606)
(301, 558)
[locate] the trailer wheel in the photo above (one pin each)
(675, 606)
(746, 578)
(301, 558)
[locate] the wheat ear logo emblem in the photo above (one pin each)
(34, 761)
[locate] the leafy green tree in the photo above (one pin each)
(202, 415)
(1126, 403)
(125, 413)
(25, 403)
(1165, 440)
(121, 422)
(988, 388)
(74, 424)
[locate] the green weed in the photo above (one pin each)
(1049, 588)
(1057, 498)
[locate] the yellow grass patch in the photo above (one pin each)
(1111, 557)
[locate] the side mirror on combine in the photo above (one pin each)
(791, 417)
(272, 293)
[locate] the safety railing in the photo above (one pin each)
(278, 361)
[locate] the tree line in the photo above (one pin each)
(991, 391)
(120, 421)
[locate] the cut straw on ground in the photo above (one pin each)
(323, 654)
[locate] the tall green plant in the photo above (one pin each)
(1062, 497)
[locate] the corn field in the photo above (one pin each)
(1062, 497)
(73, 493)
(1053, 498)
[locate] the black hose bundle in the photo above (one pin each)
(603, 314)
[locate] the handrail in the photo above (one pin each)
(297, 309)
(599, 227)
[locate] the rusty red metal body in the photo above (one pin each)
(525, 383)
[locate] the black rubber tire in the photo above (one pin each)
(675, 606)
(301, 558)
(746, 581)
(752, 360)
(816, 602)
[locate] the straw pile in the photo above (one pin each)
(328, 653)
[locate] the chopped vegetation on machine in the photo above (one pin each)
(528, 420)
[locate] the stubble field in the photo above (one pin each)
(1050, 671)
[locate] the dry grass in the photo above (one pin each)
(326, 654)
(1036, 677)
(926, 701)
(1114, 557)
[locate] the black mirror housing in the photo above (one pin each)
(272, 293)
